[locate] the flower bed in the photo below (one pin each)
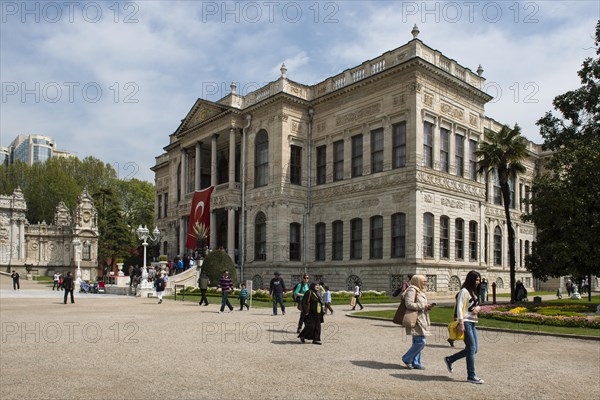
(555, 315)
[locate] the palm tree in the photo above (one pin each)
(503, 152)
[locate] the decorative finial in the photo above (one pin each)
(233, 86)
(479, 70)
(415, 31)
(283, 70)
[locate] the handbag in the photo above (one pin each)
(353, 301)
(405, 316)
(453, 333)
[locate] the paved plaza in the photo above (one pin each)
(121, 347)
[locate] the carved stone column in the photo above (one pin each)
(231, 232)
(182, 236)
(213, 229)
(198, 176)
(183, 174)
(213, 161)
(231, 159)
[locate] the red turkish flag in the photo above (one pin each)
(200, 212)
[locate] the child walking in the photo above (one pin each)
(243, 297)
(328, 300)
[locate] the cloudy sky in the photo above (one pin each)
(113, 79)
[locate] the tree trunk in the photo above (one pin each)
(511, 235)
(589, 287)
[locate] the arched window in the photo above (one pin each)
(459, 239)
(320, 241)
(261, 159)
(356, 239)
(427, 235)
(398, 235)
(497, 246)
(257, 282)
(295, 241)
(444, 237)
(260, 237)
(376, 239)
(337, 240)
(352, 281)
(499, 283)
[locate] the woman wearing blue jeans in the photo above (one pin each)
(467, 308)
(415, 299)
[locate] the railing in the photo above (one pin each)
(339, 83)
(377, 66)
(182, 292)
(358, 75)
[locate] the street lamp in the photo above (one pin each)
(144, 234)
(77, 246)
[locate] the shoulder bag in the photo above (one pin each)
(453, 334)
(404, 316)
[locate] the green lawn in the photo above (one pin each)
(444, 315)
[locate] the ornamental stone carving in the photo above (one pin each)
(354, 116)
(367, 203)
(452, 203)
(449, 183)
(454, 112)
(428, 99)
(428, 198)
(399, 99)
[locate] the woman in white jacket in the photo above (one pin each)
(467, 308)
(415, 299)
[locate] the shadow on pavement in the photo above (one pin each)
(376, 365)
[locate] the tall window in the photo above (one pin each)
(472, 160)
(377, 150)
(459, 151)
(337, 240)
(399, 145)
(357, 155)
(320, 242)
(356, 239)
(511, 188)
(338, 160)
(86, 250)
(428, 144)
(459, 239)
(486, 241)
(444, 237)
(159, 208)
(295, 241)
(527, 247)
(444, 150)
(261, 159)
(166, 205)
(427, 235)
(497, 189)
(295, 165)
(376, 247)
(321, 165)
(497, 246)
(260, 237)
(473, 241)
(527, 198)
(398, 235)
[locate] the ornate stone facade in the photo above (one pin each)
(43, 248)
(368, 174)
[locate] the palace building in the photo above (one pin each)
(366, 176)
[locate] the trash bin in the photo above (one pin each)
(537, 300)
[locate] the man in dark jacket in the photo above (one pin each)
(277, 289)
(203, 283)
(69, 285)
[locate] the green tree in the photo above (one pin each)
(137, 201)
(565, 206)
(503, 153)
(215, 263)
(116, 238)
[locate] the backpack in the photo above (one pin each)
(160, 284)
(297, 287)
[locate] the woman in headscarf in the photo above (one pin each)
(312, 307)
(415, 299)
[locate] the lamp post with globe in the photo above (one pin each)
(144, 235)
(77, 248)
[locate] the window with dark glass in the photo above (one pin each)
(497, 246)
(527, 198)
(295, 241)
(428, 144)
(459, 239)
(338, 160)
(398, 235)
(399, 145)
(159, 208)
(472, 160)
(260, 237)
(444, 237)
(166, 205)
(473, 241)
(320, 242)
(321, 165)
(261, 159)
(427, 235)
(376, 239)
(86, 250)
(357, 155)
(459, 151)
(337, 240)
(486, 241)
(295, 165)
(356, 239)
(497, 189)
(511, 190)
(377, 150)
(444, 150)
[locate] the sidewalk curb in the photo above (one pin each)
(561, 335)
